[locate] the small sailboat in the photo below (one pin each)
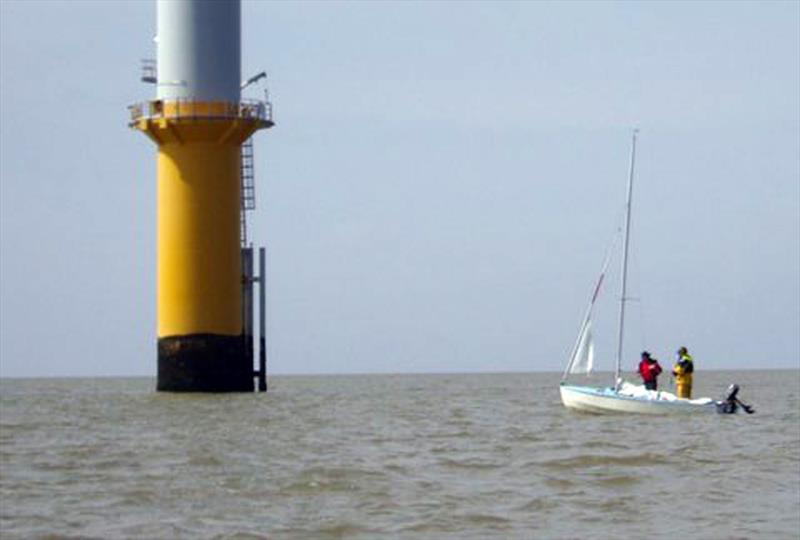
(623, 396)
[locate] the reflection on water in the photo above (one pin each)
(399, 456)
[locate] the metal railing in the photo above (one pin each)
(188, 108)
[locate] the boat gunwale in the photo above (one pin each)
(599, 392)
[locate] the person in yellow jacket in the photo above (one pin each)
(682, 371)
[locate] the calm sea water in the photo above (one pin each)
(405, 456)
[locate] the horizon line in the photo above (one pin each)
(378, 373)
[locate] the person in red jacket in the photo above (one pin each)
(649, 368)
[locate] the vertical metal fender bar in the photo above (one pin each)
(262, 320)
(247, 303)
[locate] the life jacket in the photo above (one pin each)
(683, 369)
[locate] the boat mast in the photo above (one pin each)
(624, 278)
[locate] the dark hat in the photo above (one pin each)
(645, 354)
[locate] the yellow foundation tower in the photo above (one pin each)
(199, 123)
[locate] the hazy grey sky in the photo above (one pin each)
(439, 188)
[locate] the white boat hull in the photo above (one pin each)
(606, 400)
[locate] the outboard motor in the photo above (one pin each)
(731, 402)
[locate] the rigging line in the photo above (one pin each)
(639, 281)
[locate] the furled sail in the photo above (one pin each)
(583, 359)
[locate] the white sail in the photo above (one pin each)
(583, 359)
